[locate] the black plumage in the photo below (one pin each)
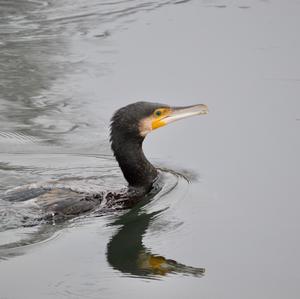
(126, 143)
(129, 126)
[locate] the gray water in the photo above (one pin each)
(228, 213)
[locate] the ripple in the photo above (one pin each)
(21, 222)
(17, 137)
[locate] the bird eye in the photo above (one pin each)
(157, 113)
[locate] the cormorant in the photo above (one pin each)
(125, 251)
(129, 127)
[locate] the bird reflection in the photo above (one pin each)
(127, 253)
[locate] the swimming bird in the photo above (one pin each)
(126, 251)
(129, 128)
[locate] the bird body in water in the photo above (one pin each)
(129, 127)
(126, 251)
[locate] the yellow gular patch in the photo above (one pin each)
(156, 261)
(158, 117)
(154, 121)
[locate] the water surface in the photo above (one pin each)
(226, 222)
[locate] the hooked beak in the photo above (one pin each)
(178, 113)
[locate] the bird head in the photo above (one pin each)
(138, 119)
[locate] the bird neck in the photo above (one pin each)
(137, 170)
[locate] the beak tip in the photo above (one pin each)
(204, 109)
